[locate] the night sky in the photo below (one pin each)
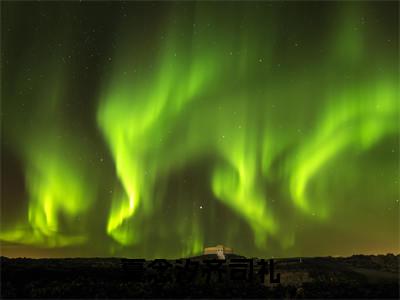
(156, 129)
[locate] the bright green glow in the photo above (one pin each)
(56, 182)
(355, 119)
(224, 125)
(37, 237)
(56, 190)
(134, 116)
(121, 210)
(55, 187)
(242, 129)
(59, 184)
(239, 186)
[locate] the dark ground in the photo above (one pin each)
(357, 276)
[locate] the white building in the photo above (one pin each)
(219, 250)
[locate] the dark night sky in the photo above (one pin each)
(151, 129)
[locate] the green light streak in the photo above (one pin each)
(353, 120)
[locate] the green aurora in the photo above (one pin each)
(156, 129)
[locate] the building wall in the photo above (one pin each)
(213, 250)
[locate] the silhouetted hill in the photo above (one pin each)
(361, 276)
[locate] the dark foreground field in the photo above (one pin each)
(201, 277)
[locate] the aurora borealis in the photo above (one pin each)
(149, 129)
